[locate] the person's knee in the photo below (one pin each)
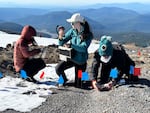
(41, 63)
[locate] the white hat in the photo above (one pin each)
(76, 18)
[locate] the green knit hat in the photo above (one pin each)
(105, 48)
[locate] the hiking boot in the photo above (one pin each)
(61, 85)
(133, 78)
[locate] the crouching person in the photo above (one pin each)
(22, 54)
(109, 57)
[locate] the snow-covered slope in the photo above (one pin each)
(9, 38)
(1, 32)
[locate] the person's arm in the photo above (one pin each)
(95, 65)
(83, 46)
(26, 53)
(66, 38)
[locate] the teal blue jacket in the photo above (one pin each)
(80, 46)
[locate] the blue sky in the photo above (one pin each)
(66, 2)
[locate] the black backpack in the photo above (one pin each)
(128, 62)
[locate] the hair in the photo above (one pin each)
(87, 31)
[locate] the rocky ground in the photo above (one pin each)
(129, 98)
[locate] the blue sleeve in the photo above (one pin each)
(66, 38)
(83, 46)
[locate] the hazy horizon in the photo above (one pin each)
(63, 3)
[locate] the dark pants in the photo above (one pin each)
(33, 66)
(63, 65)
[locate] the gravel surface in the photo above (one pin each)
(131, 98)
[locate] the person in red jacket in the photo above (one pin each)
(22, 54)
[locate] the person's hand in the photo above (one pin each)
(109, 85)
(67, 45)
(60, 33)
(94, 84)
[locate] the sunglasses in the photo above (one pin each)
(73, 23)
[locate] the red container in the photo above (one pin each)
(137, 71)
(79, 73)
(42, 75)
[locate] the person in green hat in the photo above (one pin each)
(108, 57)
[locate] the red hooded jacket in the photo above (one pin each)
(21, 48)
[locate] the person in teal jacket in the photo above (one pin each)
(80, 38)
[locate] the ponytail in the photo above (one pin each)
(87, 32)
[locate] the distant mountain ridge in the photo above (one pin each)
(50, 20)
(102, 20)
(135, 6)
(113, 21)
(9, 14)
(11, 27)
(47, 21)
(110, 16)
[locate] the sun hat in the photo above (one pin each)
(105, 48)
(76, 18)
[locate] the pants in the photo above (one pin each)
(33, 66)
(63, 65)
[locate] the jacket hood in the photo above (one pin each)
(28, 32)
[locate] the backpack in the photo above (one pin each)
(129, 62)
